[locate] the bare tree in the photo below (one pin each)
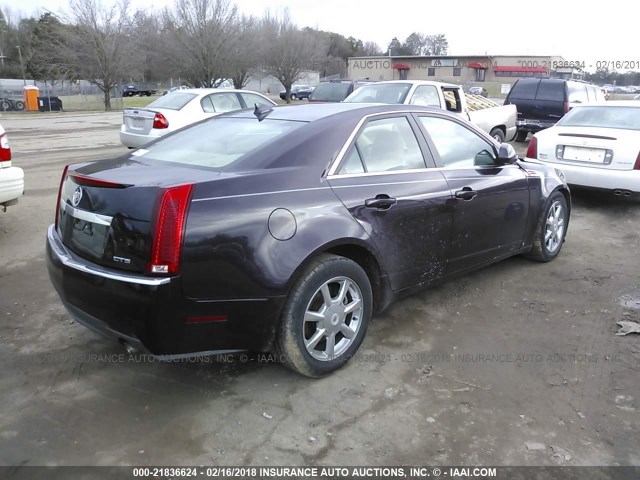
(203, 31)
(244, 51)
(101, 43)
(289, 51)
(371, 49)
(436, 44)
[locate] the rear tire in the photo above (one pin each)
(497, 134)
(5, 105)
(551, 230)
(19, 105)
(325, 317)
(521, 135)
(293, 96)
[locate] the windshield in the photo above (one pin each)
(217, 143)
(331, 92)
(603, 117)
(172, 100)
(380, 93)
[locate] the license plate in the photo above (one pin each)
(137, 123)
(88, 237)
(583, 154)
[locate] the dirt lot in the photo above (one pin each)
(517, 364)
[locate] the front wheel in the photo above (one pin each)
(497, 134)
(326, 316)
(551, 230)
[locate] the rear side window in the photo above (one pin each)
(173, 100)
(217, 143)
(551, 91)
(525, 89)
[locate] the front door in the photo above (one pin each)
(491, 200)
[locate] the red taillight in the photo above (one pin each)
(62, 179)
(169, 230)
(5, 151)
(565, 107)
(94, 182)
(532, 151)
(160, 121)
(637, 165)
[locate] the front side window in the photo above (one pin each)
(380, 93)
(458, 146)
(384, 145)
(426, 95)
(251, 99)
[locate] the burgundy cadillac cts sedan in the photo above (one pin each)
(286, 228)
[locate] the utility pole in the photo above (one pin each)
(24, 79)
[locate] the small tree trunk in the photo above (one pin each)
(287, 92)
(107, 101)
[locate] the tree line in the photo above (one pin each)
(200, 41)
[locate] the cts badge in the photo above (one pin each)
(77, 196)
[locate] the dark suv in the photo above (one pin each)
(297, 92)
(336, 90)
(541, 102)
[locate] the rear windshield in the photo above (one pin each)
(217, 143)
(525, 89)
(603, 117)
(172, 100)
(380, 93)
(551, 90)
(331, 92)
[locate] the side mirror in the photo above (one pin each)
(507, 154)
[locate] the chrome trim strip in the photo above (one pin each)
(441, 180)
(84, 215)
(66, 259)
(368, 174)
(259, 193)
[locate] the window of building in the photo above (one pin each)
(431, 72)
(457, 71)
(480, 74)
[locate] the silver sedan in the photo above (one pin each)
(181, 108)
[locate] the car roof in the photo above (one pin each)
(199, 91)
(316, 111)
(418, 82)
(612, 103)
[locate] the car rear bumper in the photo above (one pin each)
(534, 125)
(135, 140)
(11, 185)
(153, 314)
(593, 177)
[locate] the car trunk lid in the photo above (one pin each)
(109, 211)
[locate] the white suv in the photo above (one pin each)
(11, 178)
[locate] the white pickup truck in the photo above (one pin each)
(499, 121)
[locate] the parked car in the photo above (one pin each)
(298, 92)
(477, 91)
(595, 145)
(248, 232)
(541, 102)
(335, 90)
(180, 108)
(132, 90)
(498, 121)
(11, 178)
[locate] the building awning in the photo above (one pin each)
(521, 69)
(401, 66)
(478, 65)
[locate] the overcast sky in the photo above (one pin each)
(575, 30)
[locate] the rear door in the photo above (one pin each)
(404, 206)
(220, 102)
(491, 201)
